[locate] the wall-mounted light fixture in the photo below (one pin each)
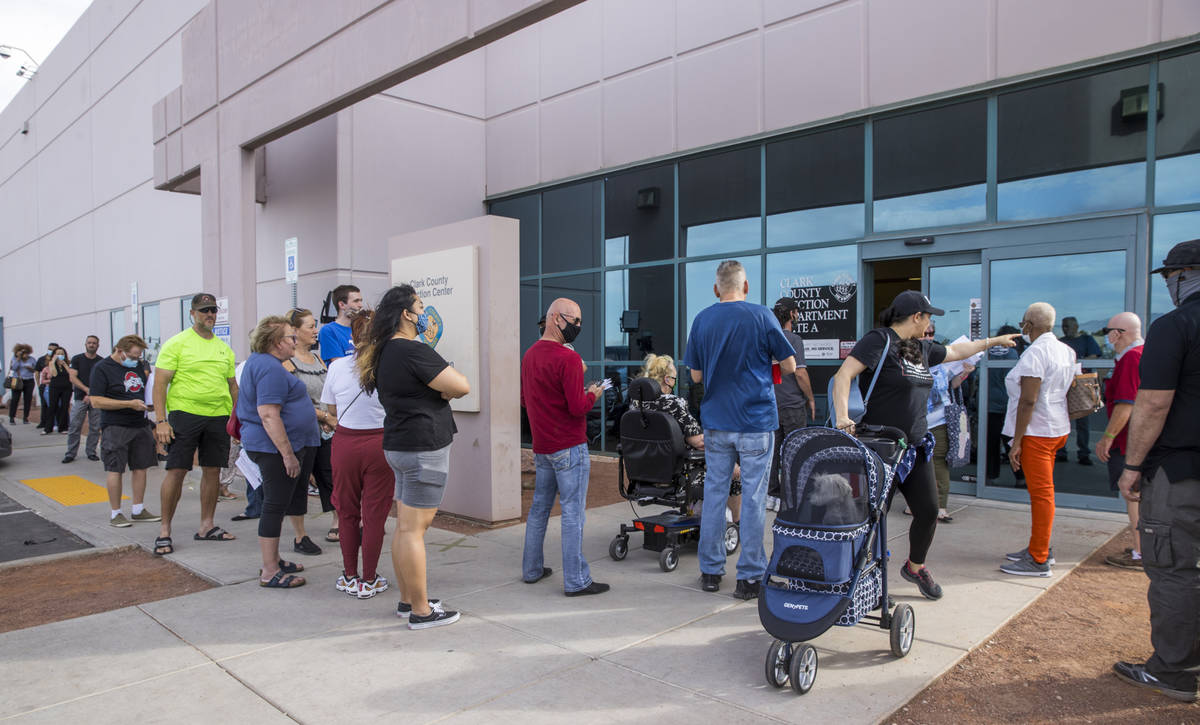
(25, 71)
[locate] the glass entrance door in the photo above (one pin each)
(1086, 281)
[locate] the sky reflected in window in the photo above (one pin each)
(733, 235)
(810, 226)
(1169, 230)
(947, 207)
(1177, 180)
(1099, 189)
(1089, 287)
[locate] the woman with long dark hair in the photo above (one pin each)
(21, 368)
(900, 400)
(415, 386)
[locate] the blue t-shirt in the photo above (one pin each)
(733, 344)
(334, 340)
(265, 382)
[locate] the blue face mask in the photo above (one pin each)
(130, 362)
(422, 323)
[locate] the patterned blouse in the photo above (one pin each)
(677, 408)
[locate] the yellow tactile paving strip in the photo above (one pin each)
(69, 490)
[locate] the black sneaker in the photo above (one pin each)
(710, 582)
(306, 546)
(1085, 461)
(746, 589)
(593, 588)
(68, 459)
(404, 609)
(435, 618)
(1136, 674)
(924, 581)
(93, 457)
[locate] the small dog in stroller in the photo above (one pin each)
(829, 563)
(662, 470)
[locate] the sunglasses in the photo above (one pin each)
(207, 310)
(1106, 330)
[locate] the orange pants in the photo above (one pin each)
(1037, 461)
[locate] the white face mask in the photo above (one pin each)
(1026, 338)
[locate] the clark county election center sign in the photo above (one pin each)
(448, 284)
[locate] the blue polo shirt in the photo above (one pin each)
(265, 382)
(733, 344)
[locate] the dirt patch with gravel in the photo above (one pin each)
(1053, 662)
(89, 584)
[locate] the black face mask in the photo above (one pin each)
(571, 331)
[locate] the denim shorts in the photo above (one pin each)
(420, 476)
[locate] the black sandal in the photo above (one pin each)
(282, 580)
(216, 533)
(164, 542)
(332, 536)
(290, 567)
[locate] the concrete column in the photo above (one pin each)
(227, 210)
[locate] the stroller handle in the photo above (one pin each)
(882, 431)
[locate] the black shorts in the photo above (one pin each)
(1116, 466)
(192, 432)
(123, 446)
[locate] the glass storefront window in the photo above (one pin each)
(571, 228)
(639, 211)
(525, 210)
(815, 188)
(585, 290)
(719, 203)
(1072, 147)
(151, 330)
(930, 167)
(1177, 135)
(641, 299)
(1169, 230)
(116, 325)
(825, 285)
(531, 312)
(698, 280)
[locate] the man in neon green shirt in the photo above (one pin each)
(194, 382)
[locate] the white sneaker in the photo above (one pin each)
(368, 589)
(349, 585)
(772, 503)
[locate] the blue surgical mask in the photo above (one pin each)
(422, 323)
(130, 362)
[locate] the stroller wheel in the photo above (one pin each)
(733, 538)
(669, 558)
(618, 547)
(778, 656)
(803, 669)
(903, 630)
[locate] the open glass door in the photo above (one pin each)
(953, 283)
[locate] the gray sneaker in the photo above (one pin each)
(119, 521)
(1025, 567)
(145, 515)
(1024, 554)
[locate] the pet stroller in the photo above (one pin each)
(661, 471)
(829, 563)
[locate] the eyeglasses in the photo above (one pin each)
(290, 337)
(669, 377)
(575, 321)
(1106, 330)
(208, 310)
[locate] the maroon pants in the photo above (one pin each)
(363, 485)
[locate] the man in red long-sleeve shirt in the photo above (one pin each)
(553, 394)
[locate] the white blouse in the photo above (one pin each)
(1053, 362)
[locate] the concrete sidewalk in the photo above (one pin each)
(654, 647)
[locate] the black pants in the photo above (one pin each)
(282, 495)
(1169, 523)
(26, 393)
(58, 411)
(322, 472)
(921, 494)
(994, 444)
(790, 419)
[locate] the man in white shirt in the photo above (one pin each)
(1038, 423)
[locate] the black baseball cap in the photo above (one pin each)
(203, 300)
(910, 302)
(1184, 254)
(786, 304)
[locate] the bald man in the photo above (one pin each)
(553, 394)
(1124, 333)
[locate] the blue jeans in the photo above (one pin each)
(254, 501)
(721, 450)
(564, 473)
